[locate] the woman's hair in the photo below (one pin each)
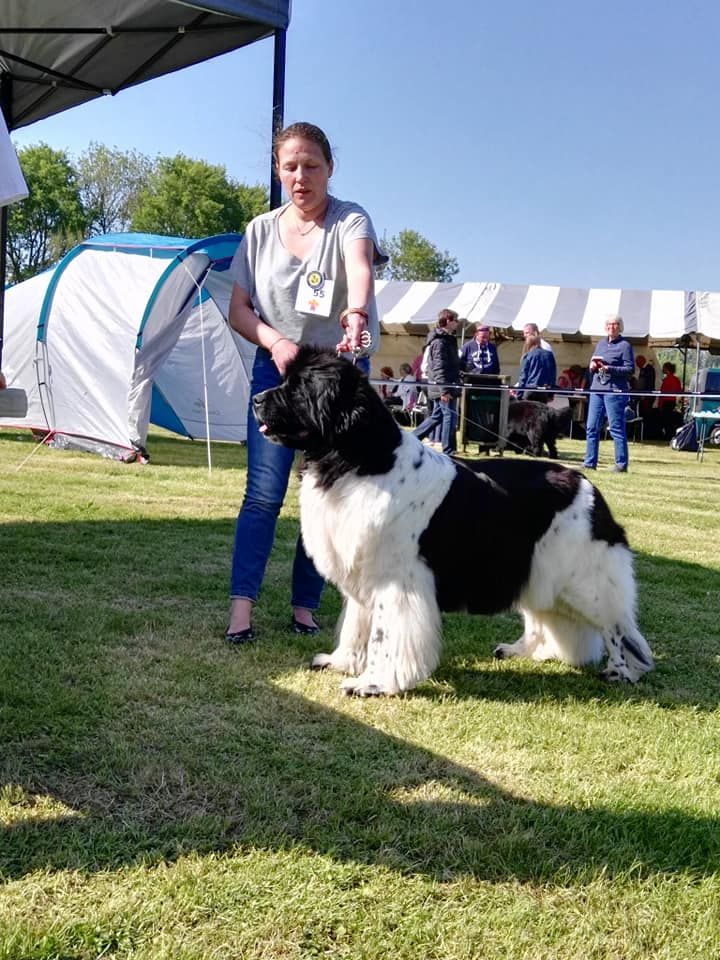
(387, 371)
(615, 318)
(308, 131)
(669, 367)
(445, 316)
(405, 368)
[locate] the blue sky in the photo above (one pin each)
(572, 143)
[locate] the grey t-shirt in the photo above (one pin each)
(272, 276)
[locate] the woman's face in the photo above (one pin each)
(612, 327)
(304, 173)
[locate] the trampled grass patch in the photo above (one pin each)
(163, 796)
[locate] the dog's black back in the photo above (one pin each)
(532, 425)
(503, 508)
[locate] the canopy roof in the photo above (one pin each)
(60, 53)
(662, 316)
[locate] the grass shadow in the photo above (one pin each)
(120, 702)
(283, 773)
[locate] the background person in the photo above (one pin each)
(300, 271)
(443, 371)
(385, 389)
(532, 330)
(479, 355)
(537, 372)
(668, 418)
(406, 391)
(612, 364)
(646, 374)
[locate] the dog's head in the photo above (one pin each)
(323, 404)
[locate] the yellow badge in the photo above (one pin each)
(315, 280)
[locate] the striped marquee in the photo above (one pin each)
(660, 315)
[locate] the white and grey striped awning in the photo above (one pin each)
(662, 315)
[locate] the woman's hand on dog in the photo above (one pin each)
(282, 352)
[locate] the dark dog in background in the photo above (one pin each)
(532, 426)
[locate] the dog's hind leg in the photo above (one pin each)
(353, 633)
(610, 604)
(404, 637)
(629, 654)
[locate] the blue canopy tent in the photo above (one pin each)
(125, 330)
(56, 54)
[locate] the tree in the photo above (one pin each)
(412, 257)
(51, 220)
(191, 198)
(110, 182)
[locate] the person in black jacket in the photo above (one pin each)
(443, 372)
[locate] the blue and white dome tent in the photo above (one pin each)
(129, 329)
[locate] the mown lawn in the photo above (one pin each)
(163, 796)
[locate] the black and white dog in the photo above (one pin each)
(406, 533)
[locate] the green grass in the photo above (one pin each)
(163, 796)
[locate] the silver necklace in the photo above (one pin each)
(304, 233)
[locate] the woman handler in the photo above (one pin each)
(303, 274)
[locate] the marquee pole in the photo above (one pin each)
(278, 110)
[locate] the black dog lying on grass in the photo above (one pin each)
(533, 425)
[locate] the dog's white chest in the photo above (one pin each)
(365, 528)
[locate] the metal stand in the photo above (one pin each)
(484, 411)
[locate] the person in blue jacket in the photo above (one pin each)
(537, 372)
(479, 355)
(611, 365)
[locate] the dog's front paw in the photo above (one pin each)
(357, 687)
(502, 651)
(321, 661)
(331, 661)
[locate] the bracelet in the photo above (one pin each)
(276, 342)
(346, 313)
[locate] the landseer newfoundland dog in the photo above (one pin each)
(405, 533)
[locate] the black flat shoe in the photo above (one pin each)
(303, 629)
(240, 636)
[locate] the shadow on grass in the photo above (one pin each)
(166, 450)
(120, 702)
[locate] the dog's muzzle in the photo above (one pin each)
(258, 408)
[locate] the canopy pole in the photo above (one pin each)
(6, 107)
(278, 110)
(205, 384)
(199, 288)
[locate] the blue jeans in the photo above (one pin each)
(444, 415)
(601, 403)
(268, 474)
